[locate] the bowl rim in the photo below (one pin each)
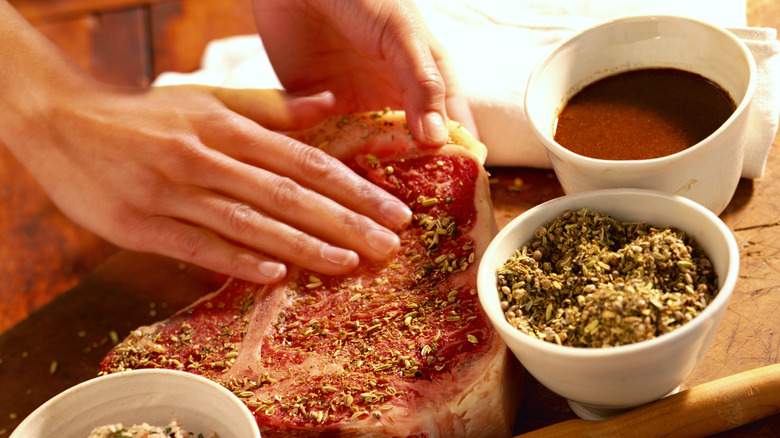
(487, 273)
(551, 145)
(199, 380)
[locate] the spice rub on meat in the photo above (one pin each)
(399, 348)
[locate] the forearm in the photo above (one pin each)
(34, 76)
(188, 171)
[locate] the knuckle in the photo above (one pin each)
(127, 229)
(299, 243)
(237, 262)
(433, 86)
(152, 192)
(191, 243)
(315, 163)
(352, 222)
(286, 193)
(240, 218)
(429, 77)
(183, 153)
(427, 91)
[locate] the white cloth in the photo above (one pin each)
(494, 45)
(762, 125)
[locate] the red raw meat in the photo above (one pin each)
(393, 349)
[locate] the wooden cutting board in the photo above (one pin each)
(63, 343)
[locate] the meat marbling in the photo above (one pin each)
(399, 348)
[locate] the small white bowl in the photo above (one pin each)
(153, 396)
(599, 383)
(707, 172)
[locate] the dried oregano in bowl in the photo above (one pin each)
(589, 280)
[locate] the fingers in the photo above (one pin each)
(301, 209)
(274, 109)
(251, 211)
(326, 175)
(429, 87)
(282, 173)
(192, 244)
(422, 86)
(242, 232)
(248, 227)
(280, 155)
(371, 54)
(456, 102)
(237, 195)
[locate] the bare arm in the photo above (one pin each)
(195, 173)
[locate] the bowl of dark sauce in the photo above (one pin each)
(653, 102)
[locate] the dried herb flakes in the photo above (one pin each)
(589, 280)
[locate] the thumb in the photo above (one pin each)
(274, 109)
(412, 57)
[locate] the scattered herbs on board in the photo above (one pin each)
(589, 280)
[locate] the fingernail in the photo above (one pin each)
(435, 129)
(326, 95)
(339, 256)
(383, 242)
(272, 270)
(395, 212)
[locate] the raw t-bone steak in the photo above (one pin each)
(399, 348)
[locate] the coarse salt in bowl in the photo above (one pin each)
(602, 382)
(152, 396)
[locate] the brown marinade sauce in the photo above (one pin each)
(642, 114)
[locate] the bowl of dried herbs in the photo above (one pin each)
(610, 298)
(142, 403)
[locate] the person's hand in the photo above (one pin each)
(191, 173)
(370, 54)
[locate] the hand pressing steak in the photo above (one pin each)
(399, 348)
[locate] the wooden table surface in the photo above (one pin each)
(46, 257)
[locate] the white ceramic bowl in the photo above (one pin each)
(603, 382)
(152, 396)
(707, 172)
